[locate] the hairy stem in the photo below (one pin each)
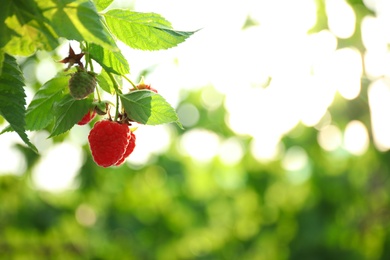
(116, 107)
(88, 60)
(131, 82)
(98, 94)
(117, 92)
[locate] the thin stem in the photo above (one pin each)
(117, 92)
(116, 107)
(90, 63)
(89, 57)
(131, 82)
(84, 49)
(88, 60)
(98, 94)
(113, 80)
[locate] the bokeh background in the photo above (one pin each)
(284, 155)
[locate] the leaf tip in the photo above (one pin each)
(33, 148)
(179, 125)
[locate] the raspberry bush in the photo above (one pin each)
(73, 96)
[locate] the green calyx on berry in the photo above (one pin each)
(102, 107)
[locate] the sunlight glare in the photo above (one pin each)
(149, 140)
(85, 215)
(41, 140)
(58, 167)
(322, 45)
(281, 53)
(295, 162)
(198, 14)
(383, 14)
(200, 144)
(341, 18)
(342, 72)
(188, 114)
(231, 151)
(265, 148)
(294, 159)
(371, 4)
(325, 121)
(356, 138)
(12, 160)
(349, 63)
(78, 135)
(379, 101)
(45, 70)
(376, 57)
(377, 64)
(314, 102)
(211, 99)
(373, 34)
(329, 138)
(297, 15)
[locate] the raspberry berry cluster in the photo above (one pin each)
(111, 141)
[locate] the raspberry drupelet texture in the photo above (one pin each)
(87, 117)
(81, 84)
(108, 141)
(129, 149)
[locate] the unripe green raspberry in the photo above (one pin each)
(81, 84)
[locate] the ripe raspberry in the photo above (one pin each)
(87, 117)
(108, 141)
(129, 149)
(81, 84)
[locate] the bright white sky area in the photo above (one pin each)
(306, 71)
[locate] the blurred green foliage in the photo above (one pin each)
(176, 207)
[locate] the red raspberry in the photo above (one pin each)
(129, 149)
(153, 89)
(142, 85)
(87, 117)
(108, 141)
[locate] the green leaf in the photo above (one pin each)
(102, 4)
(12, 98)
(105, 82)
(68, 112)
(1, 61)
(111, 61)
(40, 112)
(144, 31)
(25, 28)
(148, 107)
(5, 31)
(77, 20)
